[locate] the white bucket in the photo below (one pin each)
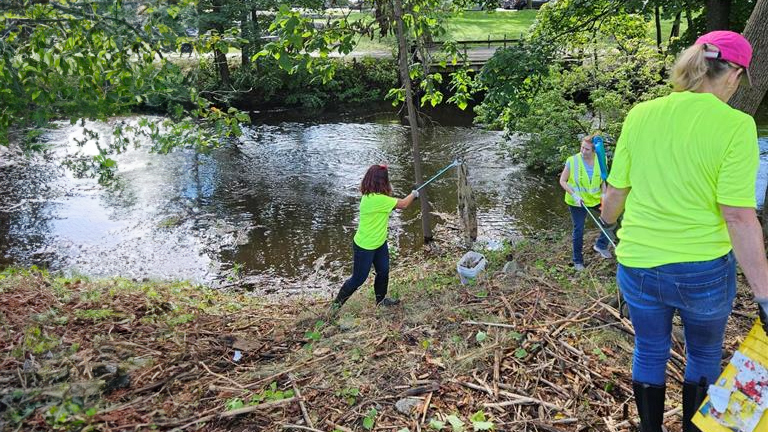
(470, 265)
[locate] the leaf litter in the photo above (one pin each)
(539, 349)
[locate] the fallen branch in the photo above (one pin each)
(239, 411)
(490, 324)
(298, 427)
(303, 407)
(518, 399)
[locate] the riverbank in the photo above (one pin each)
(535, 347)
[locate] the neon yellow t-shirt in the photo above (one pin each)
(374, 220)
(682, 155)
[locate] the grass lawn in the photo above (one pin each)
(478, 25)
(469, 25)
(666, 28)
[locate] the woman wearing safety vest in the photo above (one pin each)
(684, 174)
(581, 178)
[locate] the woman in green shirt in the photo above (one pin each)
(684, 173)
(369, 246)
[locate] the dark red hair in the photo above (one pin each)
(376, 180)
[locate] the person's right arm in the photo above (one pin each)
(405, 202)
(564, 184)
(564, 179)
(747, 240)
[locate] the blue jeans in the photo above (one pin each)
(578, 216)
(362, 261)
(702, 292)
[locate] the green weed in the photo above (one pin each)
(94, 314)
(36, 341)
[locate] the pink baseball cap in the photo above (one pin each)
(732, 47)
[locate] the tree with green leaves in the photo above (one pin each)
(576, 73)
(415, 24)
(93, 60)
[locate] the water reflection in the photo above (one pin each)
(280, 203)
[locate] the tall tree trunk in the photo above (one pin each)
(222, 66)
(718, 15)
(258, 42)
(657, 18)
(413, 121)
(675, 32)
(756, 31)
(689, 18)
(246, 29)
(220, 58)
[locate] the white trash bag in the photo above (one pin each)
(470, 265)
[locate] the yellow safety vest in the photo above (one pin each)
(579, 181)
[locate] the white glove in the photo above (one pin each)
(415, 193)
(577, 198)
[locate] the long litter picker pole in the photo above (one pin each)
(452, 164)
(599, 225)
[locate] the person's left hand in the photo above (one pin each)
(415, 193)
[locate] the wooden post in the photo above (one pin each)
(467, 207)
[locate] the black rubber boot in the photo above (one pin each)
(693, 396)
(650, 405)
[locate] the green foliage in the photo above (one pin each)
(350, 395)
(478, 420)
(302, 47)
(354, 82)
(270, 394)
(552, 104)
(67, 415)
(456, 424)
(315, 334)
(511, 78)
(101, 59)
(234, 403)
(37, 341)
(600, 354)
(436, 424)
(370, 419)
(480, 423)
(181, 319)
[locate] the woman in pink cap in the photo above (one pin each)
(684, 175)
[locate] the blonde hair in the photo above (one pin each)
(692, 67)
(589, 139)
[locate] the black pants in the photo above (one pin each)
(363, 259)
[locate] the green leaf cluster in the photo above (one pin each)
(549, 99)
(478, 420)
